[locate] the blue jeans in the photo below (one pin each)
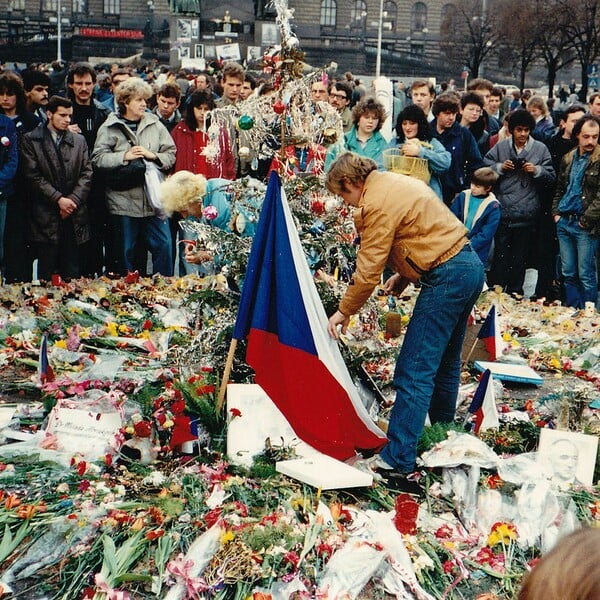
(157, 235)
(427, 371)
(578, 257)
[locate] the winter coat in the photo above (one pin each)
(485, 224)
(466, 158)
(590, 189)
(190, 157)
(53, 173)
(9, 157)
(403, 224)
(113, 141)
(517, 191)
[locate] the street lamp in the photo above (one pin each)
(379, 35)
(58, 31)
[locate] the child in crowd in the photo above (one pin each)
(479, 210)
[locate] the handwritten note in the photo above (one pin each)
(83, 431)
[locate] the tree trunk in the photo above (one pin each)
(551, 79)
(584, 82)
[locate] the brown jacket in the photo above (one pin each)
(401, 223)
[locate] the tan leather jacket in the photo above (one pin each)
(401, 223)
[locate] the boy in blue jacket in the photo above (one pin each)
(479, 210)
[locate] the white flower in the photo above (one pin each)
(155, 479)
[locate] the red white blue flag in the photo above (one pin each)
(45, 372)
(296, 362)
(490, 334)
(483, 406)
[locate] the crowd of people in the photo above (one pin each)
(520, 175)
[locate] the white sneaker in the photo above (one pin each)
(370, 465)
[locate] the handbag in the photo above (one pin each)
(125, 177)
(153, 177)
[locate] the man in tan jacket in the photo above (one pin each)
(402, 224)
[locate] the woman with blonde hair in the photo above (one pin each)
(568, 572)
(129, 135)
(544, 126)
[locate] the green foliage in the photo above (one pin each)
(435, 434)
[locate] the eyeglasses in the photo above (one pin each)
(339, 96)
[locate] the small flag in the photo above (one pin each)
(483, 407)
(471, 320)
(490, 334)
(45, 372)
(296, 362)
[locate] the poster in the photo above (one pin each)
(184, 30)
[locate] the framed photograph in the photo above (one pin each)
(253, 53)
(184, 30)
(184, 52)
(195, 29)
(269, 34)
(209, 51)
(199, 51)
(228, 52)
(568, 457)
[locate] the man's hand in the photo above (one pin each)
(74, 128)
(395, 283)
(337, 318)
(67, 207)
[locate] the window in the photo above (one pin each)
(50, 5)
(328, 13)
(112, 7)
(80, 7)
(417, 50)
(358, 14)
(447, 17)
(390, 16)
(419, 17)
(16, 5)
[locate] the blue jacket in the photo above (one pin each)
(466, 158)
(484, 226)
(9, 157)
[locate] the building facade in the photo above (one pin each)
(190, 31)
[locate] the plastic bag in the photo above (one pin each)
(460, 449)
(152, 180)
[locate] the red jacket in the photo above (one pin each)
(190, 145)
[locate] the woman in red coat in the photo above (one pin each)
(191, 137)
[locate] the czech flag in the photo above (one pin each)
(45, 372)
(296, 362)
(483, 407)
(490, 334)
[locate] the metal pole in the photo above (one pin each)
(59, 31)
(379, 34)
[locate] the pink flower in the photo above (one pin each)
(210, 212)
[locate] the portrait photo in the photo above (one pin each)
(568, 457)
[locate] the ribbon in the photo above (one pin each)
(181, 568)
(111, 594)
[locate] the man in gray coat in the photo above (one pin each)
(525, 169)
(59, 173)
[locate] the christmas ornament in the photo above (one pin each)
(279, 107)
(245, 122)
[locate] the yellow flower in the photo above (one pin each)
(61, 344)
(502, 533)
(227, 537)
(123, 329)
(111, 328)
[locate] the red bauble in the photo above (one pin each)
(279, 107)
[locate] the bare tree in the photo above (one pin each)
(556, 49)
(520, 35)
(582, 31)
(468, 35)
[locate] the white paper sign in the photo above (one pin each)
(82, 431)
